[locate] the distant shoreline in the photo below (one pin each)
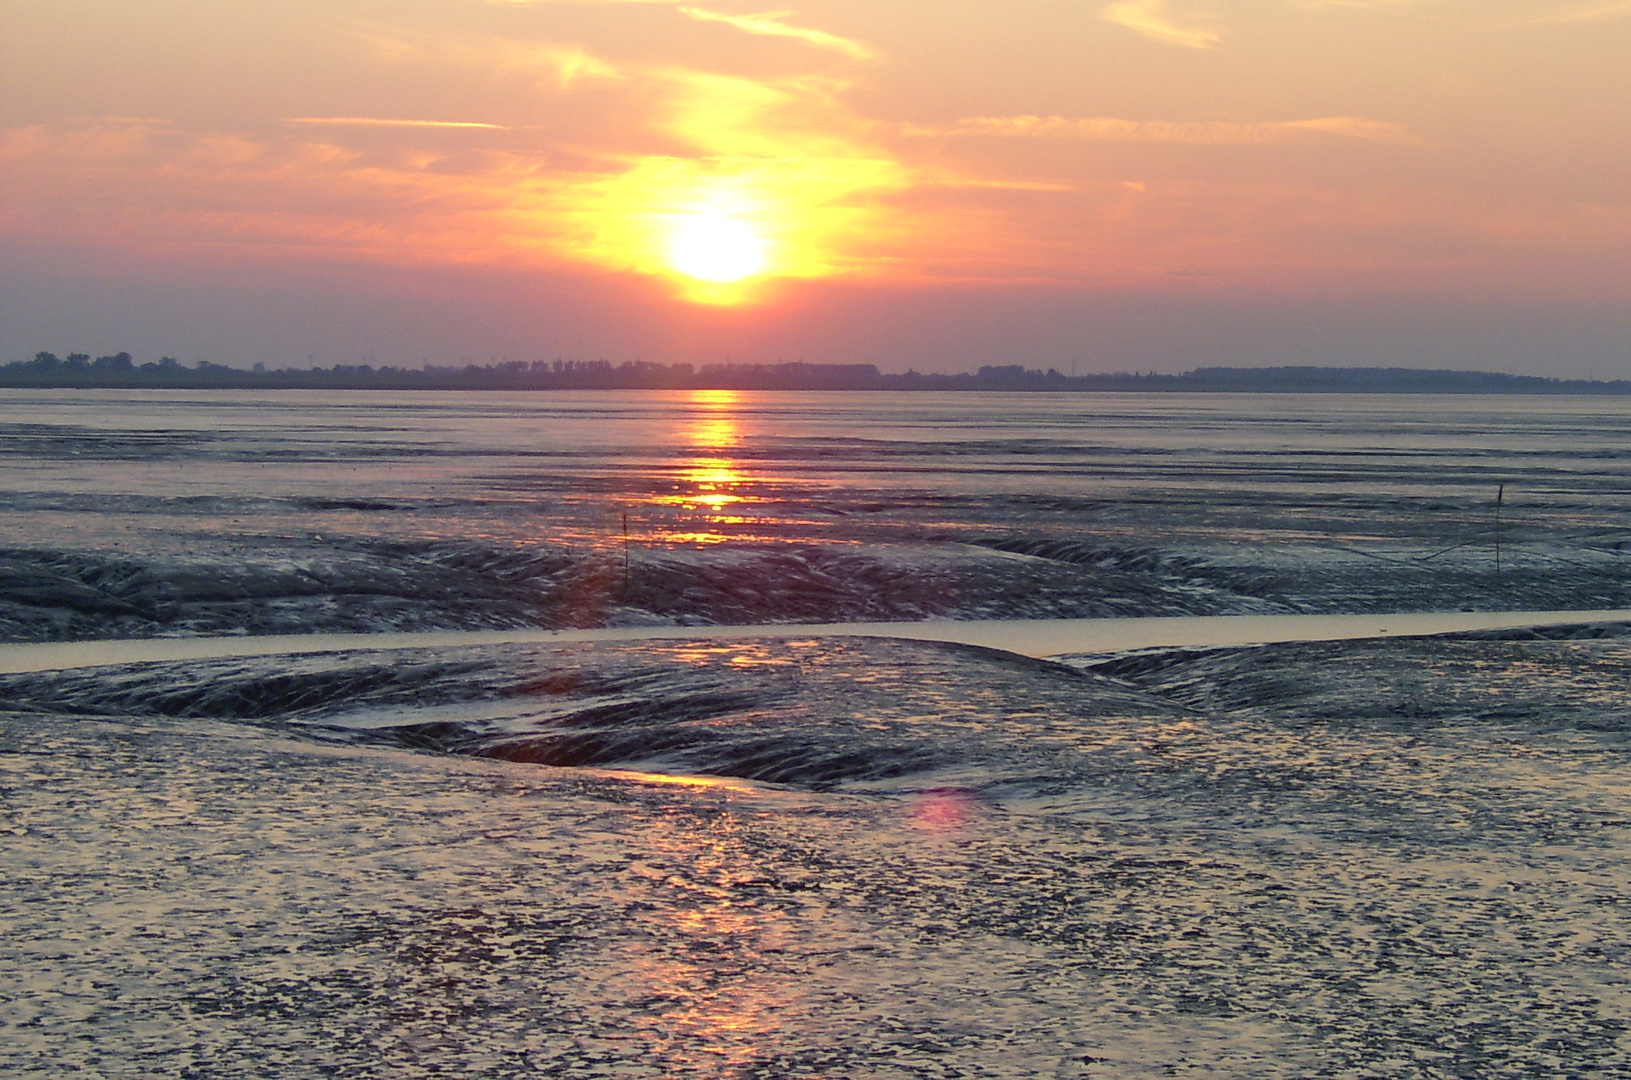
(121, 372)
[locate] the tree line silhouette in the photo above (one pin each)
(120, 371)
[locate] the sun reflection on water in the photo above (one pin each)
(715, 783)
(715, 422)
(712, 479)
(701, 969)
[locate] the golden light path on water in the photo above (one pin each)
(712, 478)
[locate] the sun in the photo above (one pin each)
(717, 248)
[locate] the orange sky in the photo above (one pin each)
(904, 183)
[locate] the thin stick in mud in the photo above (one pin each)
(1500, 493)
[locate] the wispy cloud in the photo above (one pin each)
(1512, 13)
(770, 24)
(543, 3)
(1315, 5)
(565, 65)
(1150, 18)
(379, 121)
(1204, 133)
(1575, 13)
(766, 23)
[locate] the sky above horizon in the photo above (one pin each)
(1137, 184)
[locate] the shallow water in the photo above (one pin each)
(1037, 638)
(820, 856)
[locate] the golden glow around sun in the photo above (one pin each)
(714, 247)
(780, 184)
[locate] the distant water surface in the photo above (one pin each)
(128, 513)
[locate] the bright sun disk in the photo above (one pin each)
(711, 247)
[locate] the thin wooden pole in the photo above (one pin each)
(1500, 493)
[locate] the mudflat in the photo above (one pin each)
(585, 847)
